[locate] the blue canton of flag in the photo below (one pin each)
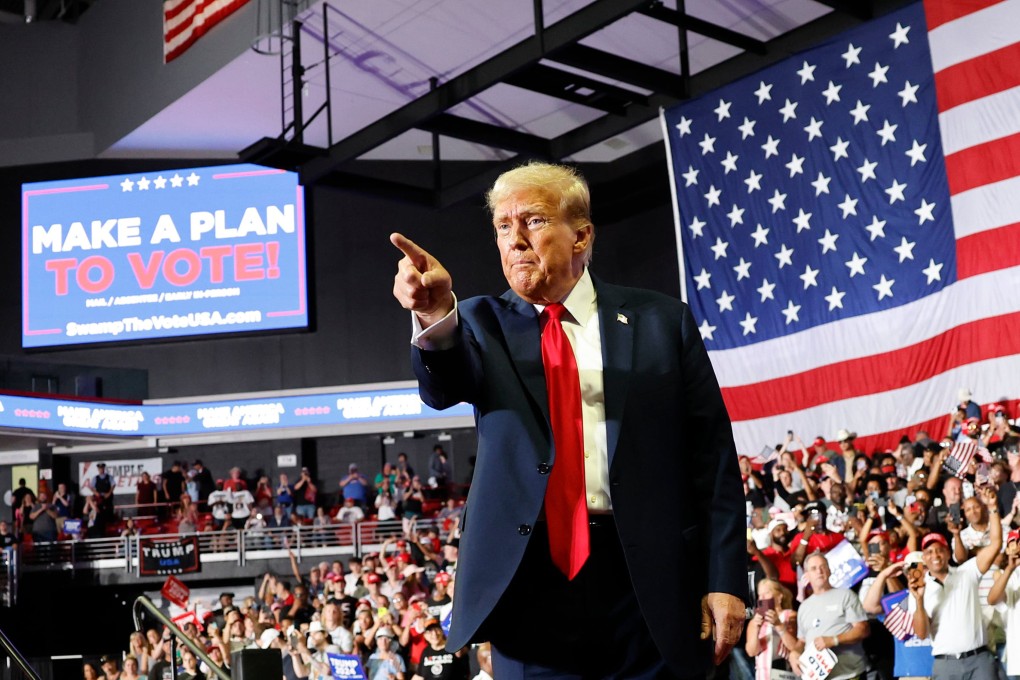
(814, 190)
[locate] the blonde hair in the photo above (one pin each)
(560, 180)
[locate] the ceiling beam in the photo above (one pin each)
(702, 27)
(575, 88)
(859, 9)
(474, 131)
(619, 68)
(582, 23)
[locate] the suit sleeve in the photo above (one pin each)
(450, 376)
(720, 498)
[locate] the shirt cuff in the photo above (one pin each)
(440, 335)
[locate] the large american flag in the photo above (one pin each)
(185, 21)
(849, 226)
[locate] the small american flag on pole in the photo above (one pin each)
(185, 21)
(897, 619)
(958, 461)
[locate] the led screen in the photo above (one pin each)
(170, 254)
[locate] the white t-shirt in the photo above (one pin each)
(954, 610)
(242, 501)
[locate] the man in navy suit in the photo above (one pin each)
(663, 569)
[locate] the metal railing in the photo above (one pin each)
(17, 657)
(234, 546)
(177, 634)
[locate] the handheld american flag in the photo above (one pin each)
(849, 225)
(958, 461)
(897, 619)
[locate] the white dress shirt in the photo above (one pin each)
(581, 326)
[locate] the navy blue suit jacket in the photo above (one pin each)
(674, 481)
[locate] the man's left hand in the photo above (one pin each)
(722, 619)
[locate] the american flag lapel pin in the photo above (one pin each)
(621, 318)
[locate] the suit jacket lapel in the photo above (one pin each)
(524, 343)
(617, 325)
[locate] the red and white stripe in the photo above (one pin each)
(891, 373)
(961, 454)
(185, 21)
(899, 622)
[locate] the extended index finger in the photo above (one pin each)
(414, 252)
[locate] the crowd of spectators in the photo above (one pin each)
(187, 498)
(934, 522)
(389, 609)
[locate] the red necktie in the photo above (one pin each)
(566, 511)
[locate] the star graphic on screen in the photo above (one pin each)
(127, 185)
(193, 180)
(159, 182)
(143, 184)
(176, 181)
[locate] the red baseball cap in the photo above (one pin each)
(372, 577)
(819, 441)
(933, 538)
(1013, 535)
(443, 578)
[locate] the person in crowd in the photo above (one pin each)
(44, 519)
(263, 495)
(103, 485)
(965, 402)
(189, 665)
(110, 667)
(188, 512)
(139, 648)
(385, 506)
(321, 524)
(284, 492)
(8, 539)
(911, 656)
(333, 622)
(129, 530)
(350, 512)
(483, 656)
(89, 671)
(437, 661)
(832, 618)
(386, 479)
(63, 503)
(385, 663)
(131, 669)
(404, 470)
(236, 482)
(18, 496)
(254, 527)
(365, 627)
(966, 541)
(279, 519)
(413, 503)
(772, 631)
(1005, 591)
(815, 536)
(355, 486)
(439, 467)
(305, 494)
(221, 506)
(172, 483)
(449, 512)
(242, 506)
(145, 493)
(946, 606)
(204, 478)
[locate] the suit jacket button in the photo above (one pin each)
(524, 529)
(543, 468)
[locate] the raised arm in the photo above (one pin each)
(422, 285)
